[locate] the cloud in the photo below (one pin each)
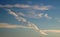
(40, 15)
(34, 15)
(42, 7)
(31, 14)
(53, 31)
(30, 25)
(35, 7)
(16, 16)
(48, 17)
(21, 6)
(36, 28)
(15, 5)
(19, 18)
(21, 14)
(43, 32)
(12, 13)
(6, 25)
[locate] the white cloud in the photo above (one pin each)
(34, 15)
(31, 14)
(21, 14)
(40, 15)
(15, 5)
(21, 19)
(6, 25)
(54, 31)
(13, 13)
(36, 7)
(36, 28)
(48, 17)
(21, 6)
(42, 7)
(16, 16)
(30, 25)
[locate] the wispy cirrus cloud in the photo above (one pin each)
(48, 17)
(35, 15)
(15, 5)
(6, 25)
(47, 7)
(31, 14)
(35, 7)
(53, 31)
(16, 16)
(30, 25)
(12, 13)
(19, 18)
(22, 6)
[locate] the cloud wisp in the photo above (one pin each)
(31, 14)
(16, 16)
(31, 25)
(37, 29)
(35, 7)
(5, 25)
(35, 15)
(53, 31)
(43, 32)
(48, 17)
(15, 5)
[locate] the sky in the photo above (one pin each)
(45, 14)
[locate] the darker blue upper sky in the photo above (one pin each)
(54, 2)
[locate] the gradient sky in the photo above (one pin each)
(44, 13)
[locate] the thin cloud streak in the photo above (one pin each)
(43, 32)
(37, 29)
(42, 7)
(35, 7)
(5, 25)
(17, 17)
(54, 31)
(31, 14)
(31, 25)
(35, 15)
(15, 5)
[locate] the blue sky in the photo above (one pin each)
(45, 14)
